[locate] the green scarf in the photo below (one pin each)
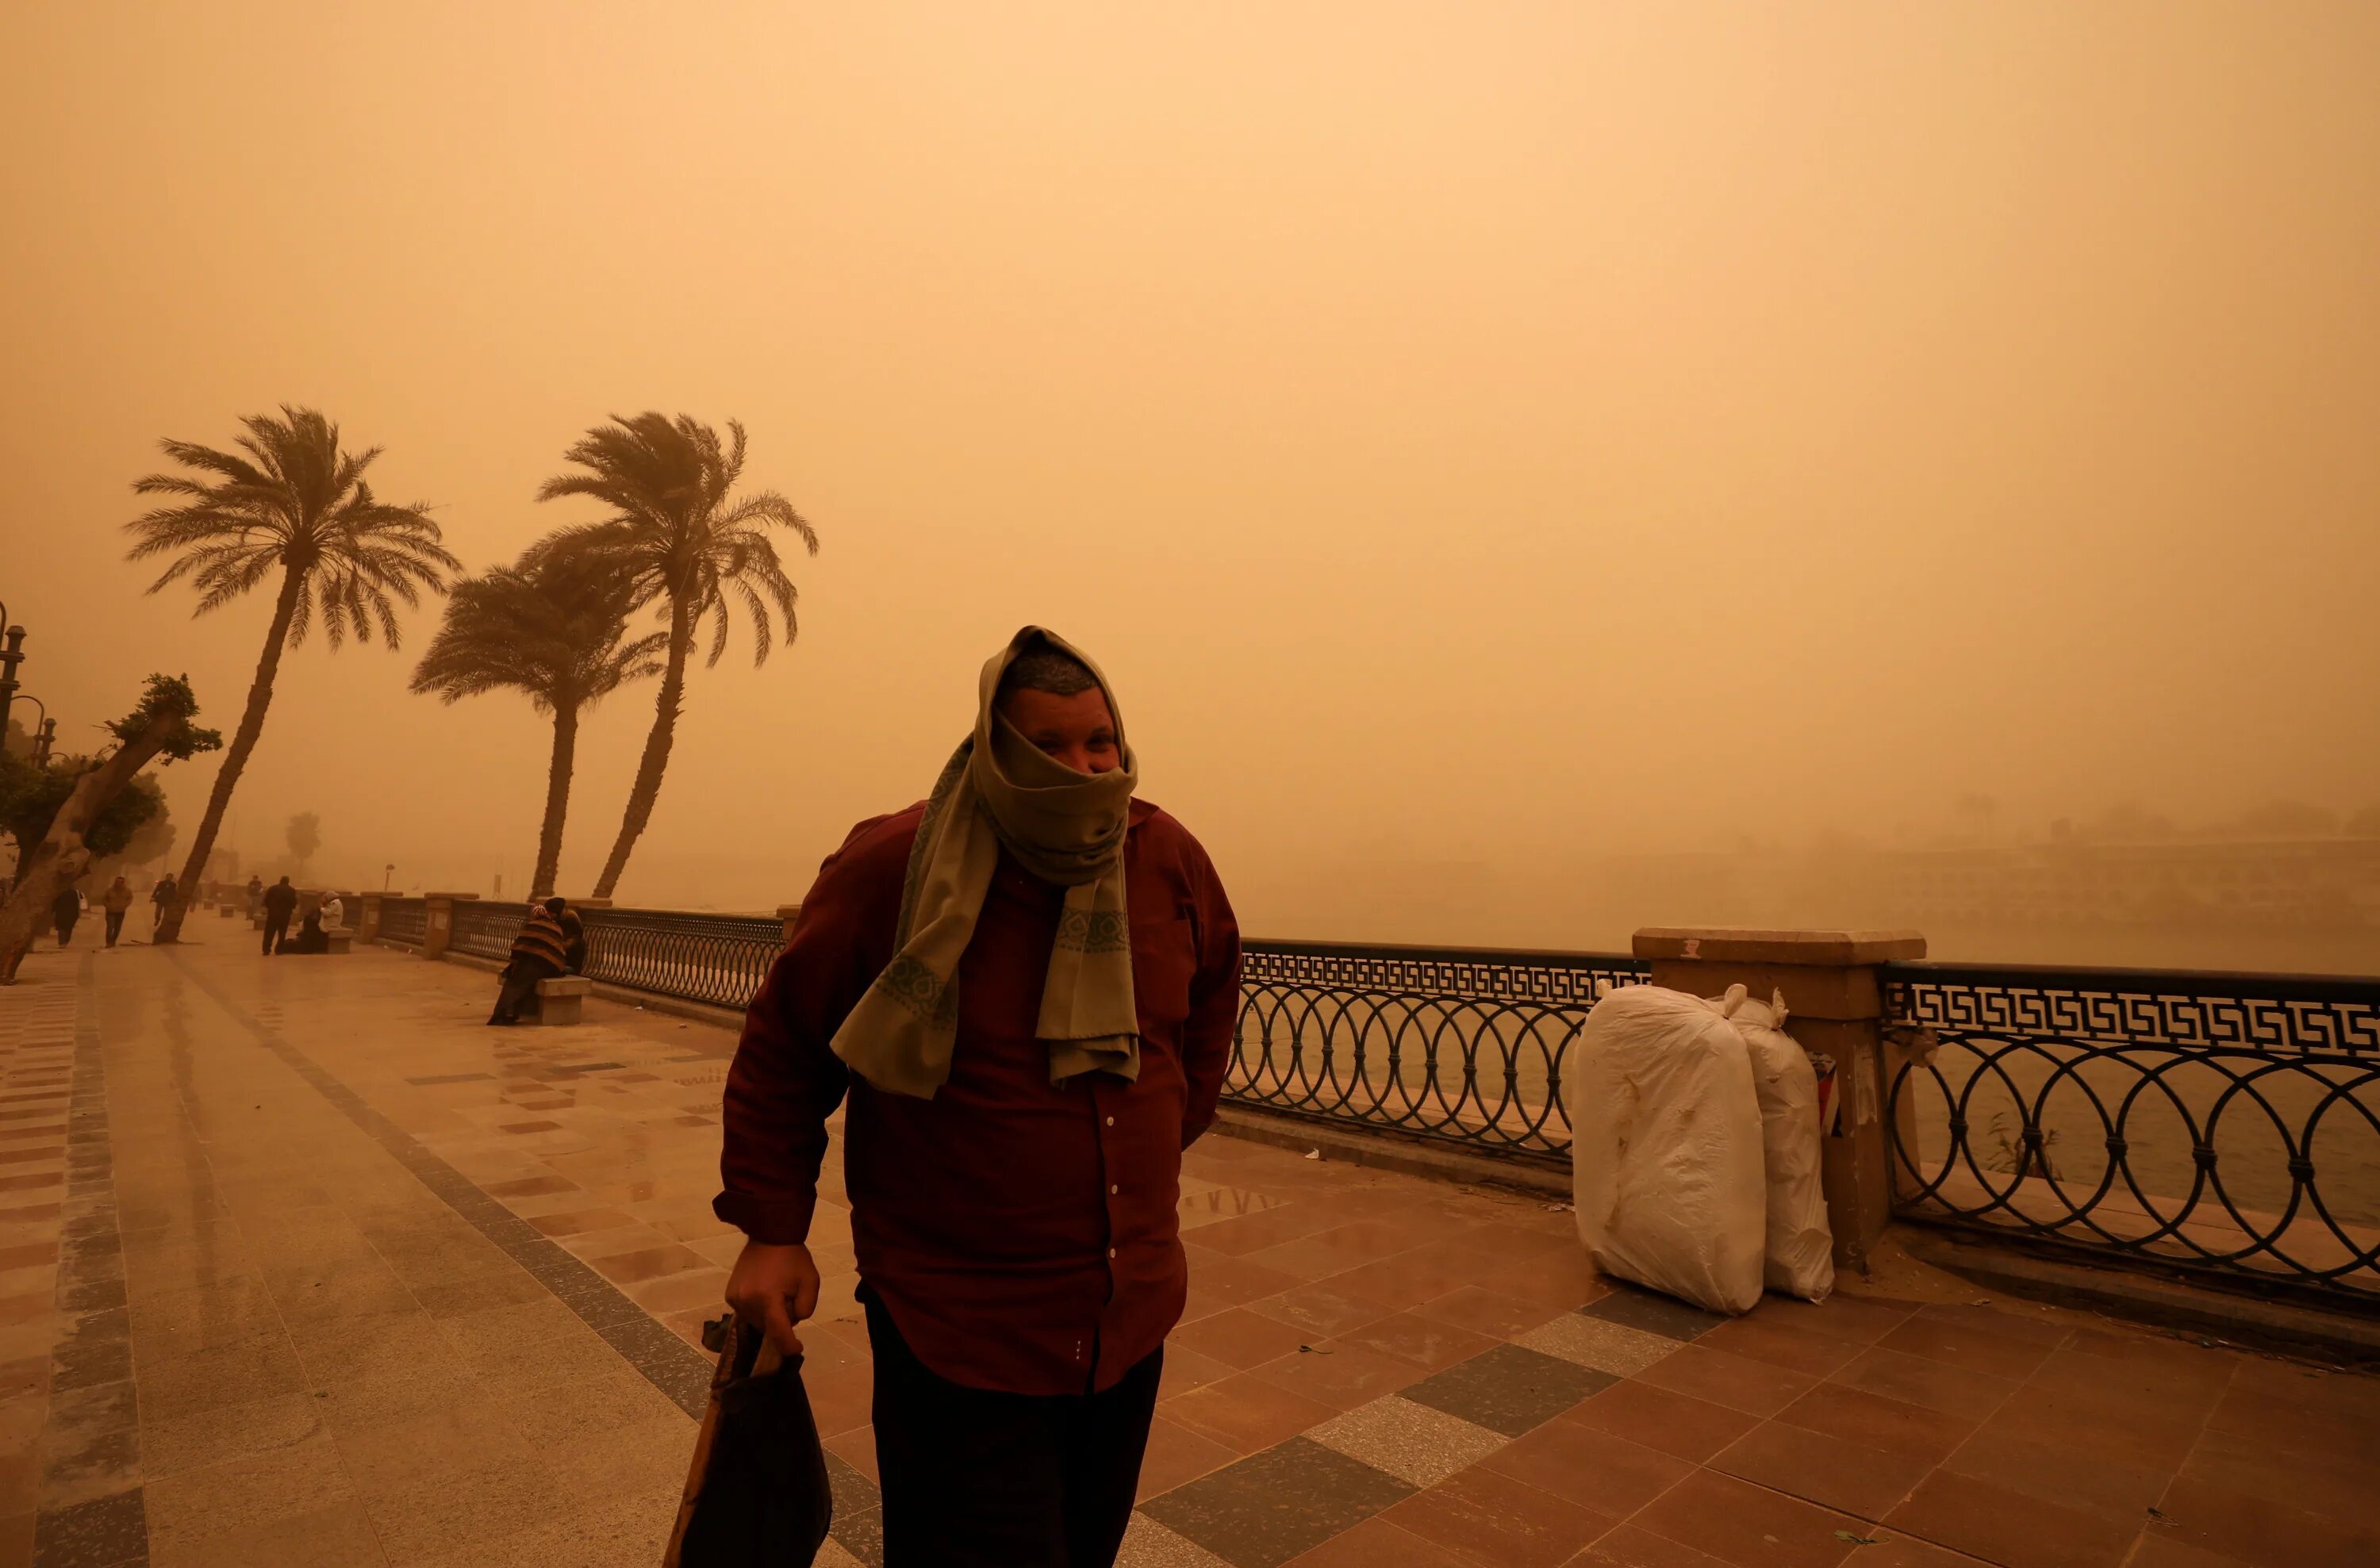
(1000, 791)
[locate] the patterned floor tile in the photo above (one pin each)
(1412, 1442)
(1271, 1506)
(1654, 1314)
(1511, 1389)
(1597, 1343)
(1147, 1544)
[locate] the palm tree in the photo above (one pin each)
(298, 504)
(556, 627)
(680, 537)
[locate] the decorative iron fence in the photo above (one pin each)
(486, 929)
(405, 921)
(702, 957)
(2224, 1126)
(1454, 1044)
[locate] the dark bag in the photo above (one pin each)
(757, 1494)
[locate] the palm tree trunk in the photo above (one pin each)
(251, 725)
(557, 799)
(648, 787)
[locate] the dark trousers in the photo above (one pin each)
(115, 925)
(516, 998)
(276, 926)
(976, 1480)
(66, 927)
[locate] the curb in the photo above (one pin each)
(645, 1001)
(1387, 1151)
(2335, 1337)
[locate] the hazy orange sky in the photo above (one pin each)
(1466, 432)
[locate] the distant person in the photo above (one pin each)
(160, 897)
(540, 952)
(255, 894)
(574, 935)
(65, 909)
(115, 902)
(311, 936)
(333, 912)
(1028, 986)
(280, 903)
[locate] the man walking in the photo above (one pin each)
(160, 897)
(255, 893)
(115, 902)
(280, 903)
(1027, 985)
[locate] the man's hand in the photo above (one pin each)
(774, 1287)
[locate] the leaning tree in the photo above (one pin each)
(686, 542)
(159, 726)
(289, 501)
(555, 629)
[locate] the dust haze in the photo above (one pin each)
(1530, 470)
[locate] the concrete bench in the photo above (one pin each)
(227, 910)
(558, 1001)
(341, 938)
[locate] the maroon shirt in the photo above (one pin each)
(1024, 1238)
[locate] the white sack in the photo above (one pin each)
(1800, 1244)
(1664, 1157)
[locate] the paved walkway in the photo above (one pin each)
(300, 1264)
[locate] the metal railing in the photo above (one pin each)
(405, 921)
(702, 957)
(1457, 1046)
(2223, 1125)
(484, 929)
(2226, 1126)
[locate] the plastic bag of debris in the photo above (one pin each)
(1666, 1150)
(1800, 1244)
(756, 1492)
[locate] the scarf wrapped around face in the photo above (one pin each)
(1000, 791)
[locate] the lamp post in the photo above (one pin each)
(12, 654)
(42, 733)
(385, 873)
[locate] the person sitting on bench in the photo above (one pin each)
(540, 952)
(310, 937)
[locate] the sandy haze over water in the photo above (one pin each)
(1474, 436)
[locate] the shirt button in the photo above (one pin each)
(1110, 1251)
(1110, 1121)
(1113, 1190)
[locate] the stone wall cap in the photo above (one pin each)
(450, 895)
(1736, 945)
(787, 911)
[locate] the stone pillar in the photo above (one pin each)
(787, 914)
(1834, 1000)
(438, 929)
(368, 918)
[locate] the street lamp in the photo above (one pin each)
(42, 735)
(385, 873)
(12, 654)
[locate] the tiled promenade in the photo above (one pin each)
(300, 1264)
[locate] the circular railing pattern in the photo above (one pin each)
(2229, 1137)
(1450, 1045)
(485, 929)
(405, 921)
(720, 960)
